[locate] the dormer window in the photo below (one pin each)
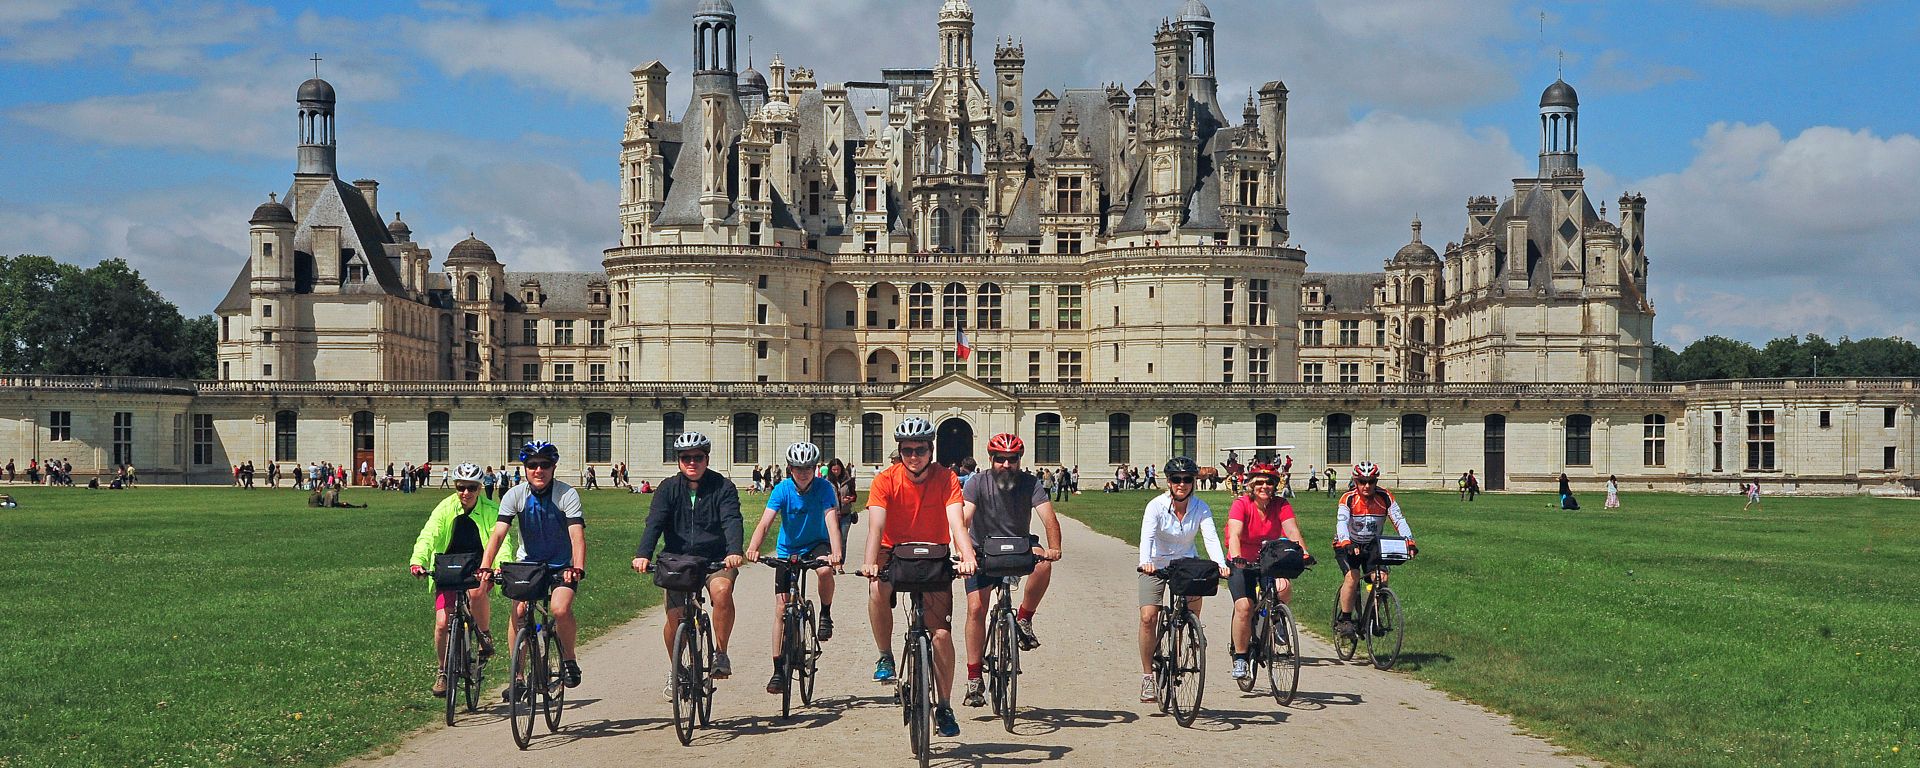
(530, 297)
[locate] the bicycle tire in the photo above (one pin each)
(521, 708)
(1283, 656)
(790, 654)
(1009, 671)
(908, 691)
(990, 661)
(1190, 671)
(809, 652)
(553, 696)
(1256, 650)
(683, 674)
(1345, 647)
(476, 670)
(923, 746)
(453, 668)
(703, 695)
(1385, 620)
(1163, 661)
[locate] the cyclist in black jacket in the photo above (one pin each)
(698, 511)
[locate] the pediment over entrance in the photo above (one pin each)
(954, 387)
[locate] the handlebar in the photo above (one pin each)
(788, 563)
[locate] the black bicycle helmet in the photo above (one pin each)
(1181, 465)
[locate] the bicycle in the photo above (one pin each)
(1380, 614)
(691, 658)
(914, 686)
(1002, 659)
(463, 667)
(1275, 643)
(1179, 656)
(799, 631)
(537, 690)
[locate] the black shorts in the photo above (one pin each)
(1366, 560)
(977, 582)
(783, 577)
(1242, 580)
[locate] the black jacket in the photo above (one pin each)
(710, 527)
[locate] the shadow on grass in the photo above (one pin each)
(1414, 662)
(986, 753)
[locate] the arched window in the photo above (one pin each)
(1119, 438)
(438, 423)
(1419, 290)
(1266, 431)
(599, 437)
(1579, 440)
(987, 307)
(920, 306)
(1413, 439)
(672, 423)
(873, 439)
(820, 433)
(1439, 330)
(286, 436)
(746, 438)
(473, 287)
(1418, 327)
(519, 433)
(970, 231)
(1339, 438)
(1186, 435)
(942, 235)
(1046, 438)
(953, 306)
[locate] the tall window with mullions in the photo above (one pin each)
(1186, 435)
(519, 433)
(746, 438)
(1046, 438)
(1119, 438)
(1266, 431)
(286, 436)
(820, 433)
(1339, 438)
(672, 424)
(599, 437)
(438, 424)
(872, 439)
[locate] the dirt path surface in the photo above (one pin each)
(1078, 699)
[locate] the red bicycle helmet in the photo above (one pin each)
(1264, 468)
(1005, 443)
(1367, 470)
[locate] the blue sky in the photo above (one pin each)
(1775, 139)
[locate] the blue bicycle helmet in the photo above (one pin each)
(539, 449)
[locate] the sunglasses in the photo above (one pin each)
(467, 488)
(692, 458)
(533, 465)
(1257, 483)
(918, 451)
(1006, 459)
(1179, 479)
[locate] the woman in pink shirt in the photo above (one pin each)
(1255, 519)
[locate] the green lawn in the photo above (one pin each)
(1678, 631)
(173, 626)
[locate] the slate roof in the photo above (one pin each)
(338, 204)
(563, 292)
(1346, 291)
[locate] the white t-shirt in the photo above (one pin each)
(1164, 537)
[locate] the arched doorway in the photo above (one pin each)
(955, 441)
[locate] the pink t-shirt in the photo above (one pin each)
(1259, 528)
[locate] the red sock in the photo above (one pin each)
(1023, 614)
(973, 671)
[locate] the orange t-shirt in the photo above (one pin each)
(914, 512)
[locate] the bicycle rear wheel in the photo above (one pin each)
(453, 667)
(684, 676)
(553, 695)
(1009, 672)
(1189, 670)
(1283, 656)
(809, 652)
(913, 690)
(1387, 630)
(475, 678)
(522, 704)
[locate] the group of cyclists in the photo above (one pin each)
(696, 512)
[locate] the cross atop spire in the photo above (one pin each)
(316, 64)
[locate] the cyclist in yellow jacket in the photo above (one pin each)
(454, 527)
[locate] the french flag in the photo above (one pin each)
(960, 345)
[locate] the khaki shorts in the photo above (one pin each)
(679, 599)
(1153, 590)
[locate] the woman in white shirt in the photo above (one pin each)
(1167, 531)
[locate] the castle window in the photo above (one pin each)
(1257, 302)
(563, 371)
(473, 287)
(266, 310)
(1067, 242)
(753, 234)
(1069, 366)
(1413, 439)
(597, 332)
(970, 231)
(672, 423)
(1312, 373)
(529, 331)
(1258, 359)
(1349, 333)
(986, 365)
(266, 337)
(1760, 441)
(870, 194)
(1033, 306)
(1067, 194)
(1579, 440)
(1046, 438)
(1119, 438)
(1033, 367)
(940, 238)
(813, 198)
(1249, 187)
(1186, 434)
(1653, 439)
(562, 332)
(286, 436)
(919, 365)
(953, 306)
(596, 372)
(1226, 301)
(1226, 364)
(1067, 301)
(987, 307)
(1339, 438)
(746, 438)
(753, 181)
(872, 438)
(920, 306)
(950, 362)
(1249, 235)
(438, 423)
(1349, 373)
(1311, 333)
(529, 371)
(519, 433)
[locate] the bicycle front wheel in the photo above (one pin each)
(683, 677)
(704, 692)
(553, 695)
(1189, 671)
(1008, 648)
(1283, 655)
(1345, 646)
(790, 653)
(472, 682)
(1256, 650)
(453, 667)
(523, 704)
(1387, 630)
(913, 689)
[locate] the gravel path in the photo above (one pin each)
(1078, 699)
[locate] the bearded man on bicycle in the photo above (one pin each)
(1356, 536)
(1001, 502)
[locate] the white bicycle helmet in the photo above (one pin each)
(692, 441)
(467, 473)
(803, 455)
(913, 428)
(1366, 470)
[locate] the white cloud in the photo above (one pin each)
(538, 216)
(51, 32)
(188, 242)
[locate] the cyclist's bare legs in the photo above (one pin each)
(480, 607)
(720, 590)
(1149, 630)
(825, 584)
(1242, 624)
(779, 614)
(880, 615)
(1035, 586)
(440, 635)
(1349, 586)
(977, 625)
(938, 614)
(563, 625)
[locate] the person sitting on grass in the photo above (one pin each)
(453, 528)
(7, 502)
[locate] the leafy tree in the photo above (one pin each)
(28, 289)
(1876, 357)
(105, 321)
(1718, 357)
(202, 337)
(1666, 363)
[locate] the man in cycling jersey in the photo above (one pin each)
(1001, 502)
(1356, 535)
(698, 511)
(916, 500)
(552, 531)
(1255, 519)
(1167, 530)
(809, 512)
(453, 527)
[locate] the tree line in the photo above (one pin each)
(1718, 357)
(104, 320)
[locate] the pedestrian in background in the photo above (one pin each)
(1613, 492)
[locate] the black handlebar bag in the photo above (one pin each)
(1282, 559)
(456, 570)
(917, 567)
(680, 573)
(1004, 556)
(524, 581)
(1193, 577)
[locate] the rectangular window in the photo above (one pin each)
(1760, 440)
(1068, 303)
(1413, 439)
(1249, 187)
(623, 296)
(597, 332)
(179, 437)
(1887, 417)
(760, 350)
(1067, 191)
(203, 438)
(1033, 367)
(986, 365)
(266, 371)
(1249, 235)
(1312, 373)
(872, 441)
(1349, 333)
(530, 332)
(266, 337)
(919, 365)
(1349, 373)
(1069, 366)
(563, 371)
(1887, 458)
(529, 371)
(1379, 373)
(950, 362)
(1257, 302)
(1579, 440)
(1379, 333)
(437, 426)
(266, 310)
(1311, 333)
(562, 332)
(1258, 359)
(1226, 364)
(1653, 440)
(286, 436)
(1119, 438)
(1826, 419)
(1033, 306)
(596, 371)
(986, 313)
(122, 437)
(1226, 301)
(60, 426)
(1046, 438)
(1719, 440)
(1066, 242)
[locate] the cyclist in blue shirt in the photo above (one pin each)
(809, 512)
(552, 531)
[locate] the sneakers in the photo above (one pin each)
(722, 666)
(1345, 628)
(440, 684)
(883, 670)
(778, 683)
(1148, 693)
(1024, 628)
(512, 692)
(1239, 668)
(570, 672)
(666, 688)
(825, 632)
(944, 723)
(976, 692)
(486, 646)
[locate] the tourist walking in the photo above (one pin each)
(1753, 495)
(1613, 492)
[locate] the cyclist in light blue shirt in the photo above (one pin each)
(809, 512)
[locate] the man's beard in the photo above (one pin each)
(1004, 478)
